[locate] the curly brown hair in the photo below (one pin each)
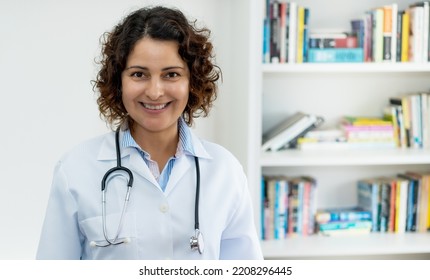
(159, 23)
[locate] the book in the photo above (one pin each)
(394, 31)
(345, 225)
(322, 43)
(399, 36)
(335, 55)
(305, 33)
(405, 37)
(332, 39)
(401, 205)
(275, 29)
(288, 131)
(358, 31)
(387, 32)
(292, 31)
(283, 31)
(364, 121)
(377, 34)
(294, 209)
(398, 118)
(421, 29)
(342, 214)
(423, 199)
(368, 43)
(300, 33)
(411, 212)
(369, 199)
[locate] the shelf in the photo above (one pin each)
(345, 67)
(345, 157)
(358, 245)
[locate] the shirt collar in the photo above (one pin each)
(185, 145)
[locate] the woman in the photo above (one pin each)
(189, 198)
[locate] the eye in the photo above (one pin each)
(172, 75)
(137, 74)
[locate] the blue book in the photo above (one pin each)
(335, 55)
(342, 215)
(306, 35)
(266, 41)
(345, 225)
(357, 26)
(368, 199)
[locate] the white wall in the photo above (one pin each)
(47, 51)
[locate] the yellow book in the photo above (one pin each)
(427, 183)
(300, 33)
(405, 37)
(401, 206)
(368, 121)
(406, 118)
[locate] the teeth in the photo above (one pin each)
(154, 107)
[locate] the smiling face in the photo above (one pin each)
(155, 86)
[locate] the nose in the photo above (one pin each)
(155, 89)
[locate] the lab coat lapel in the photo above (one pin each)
(130, 158)
(138, 166)
(181, 167)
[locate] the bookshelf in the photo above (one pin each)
(330, 90)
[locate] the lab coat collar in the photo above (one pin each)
(107, 149)
(136, 164)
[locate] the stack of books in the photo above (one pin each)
(334, 47)
(288, 206)
(368, 132)
(343, 221)
(322, 139)
(285, 134)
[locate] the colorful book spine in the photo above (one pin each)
(387, 32)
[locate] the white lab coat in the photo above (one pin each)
(159, 224)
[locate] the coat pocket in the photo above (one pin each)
(95, 240)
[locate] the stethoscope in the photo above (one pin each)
(196, 241)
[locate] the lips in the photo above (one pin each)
(155, 106)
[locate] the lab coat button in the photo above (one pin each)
(164, 208)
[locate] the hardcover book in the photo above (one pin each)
(286, 133)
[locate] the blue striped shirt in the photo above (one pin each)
(184, 147)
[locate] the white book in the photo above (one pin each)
(425, 31)
(292, 32)
(425, 120)
(288, 130)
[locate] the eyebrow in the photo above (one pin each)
(146, 68)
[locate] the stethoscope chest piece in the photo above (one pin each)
(196, 242)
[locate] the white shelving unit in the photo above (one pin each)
(331, 90)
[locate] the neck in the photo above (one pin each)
(161, 146)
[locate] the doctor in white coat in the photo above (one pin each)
(189, 198)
